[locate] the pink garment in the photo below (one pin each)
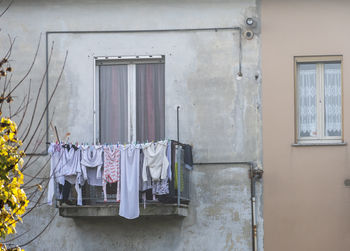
(111, 171)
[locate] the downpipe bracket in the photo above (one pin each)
(258, 173)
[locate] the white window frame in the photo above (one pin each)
(319, 61)
(131, 62)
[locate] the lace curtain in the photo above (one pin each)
(307, 100)
(332, 100)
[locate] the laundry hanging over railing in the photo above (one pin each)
(150, 172)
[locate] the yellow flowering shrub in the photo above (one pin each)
(13, 200)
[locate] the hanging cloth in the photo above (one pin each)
(156, 159)
(179, 164)
(168, 155)
(188, 157)
(144, 185)
(71, 169)
(129, 197)
(55, 171)
(91, 164)
(111, 171)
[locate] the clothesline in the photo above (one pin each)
(114, 144)
(133, 167)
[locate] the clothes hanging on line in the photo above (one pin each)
(134, 167)
(155, 158)
(111, 172)
(129, 197)
(65, 191)
(56, 170)
(168, 155)
(144, 185)
(161, 187)
(179, 163)
(91, 164)
(188, 157)
(71, 170)
(65, 167)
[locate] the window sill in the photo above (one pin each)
(112, 210)
(320, 144)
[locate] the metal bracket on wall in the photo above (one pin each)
(256, 173)
(347, 182)
(214, 29)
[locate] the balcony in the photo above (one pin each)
(112, 210)
(175, 203)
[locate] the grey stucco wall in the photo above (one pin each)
(220, 115)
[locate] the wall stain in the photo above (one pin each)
(229, 242)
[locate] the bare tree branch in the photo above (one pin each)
(8, 6)
(8, 53)
(42, 168)
(49, 101)
(42, 231)
(30, 68)
(26, 107)
(37, 97)
(17, 236)
(20, 107)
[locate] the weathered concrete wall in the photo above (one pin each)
(220, 115)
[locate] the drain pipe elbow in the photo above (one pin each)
(255, 173)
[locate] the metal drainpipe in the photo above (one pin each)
(254, 174)
(178, 158)
(253, 201)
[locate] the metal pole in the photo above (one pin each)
(146, 30)
(94, 100)
(178, 155)
(47, 88)
(254, 230)
(178, 123)
(178, 178)
(240, 52)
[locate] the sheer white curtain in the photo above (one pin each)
(307, 100)
(332, 98)
(150, 102)
(113, 103)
